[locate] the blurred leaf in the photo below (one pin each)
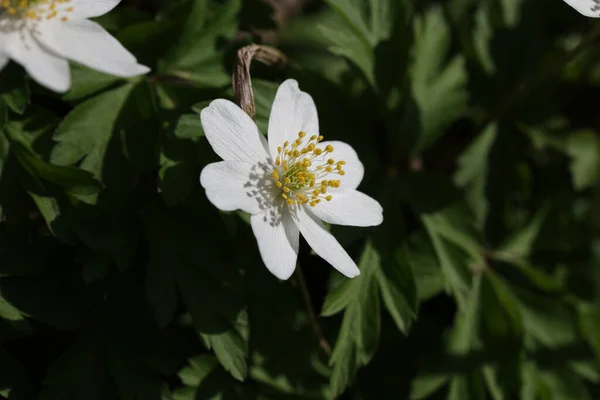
(472, 172)
(584, 150)
(189, 127)
(520, 245)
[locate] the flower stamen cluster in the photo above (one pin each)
(302, 171)
(35, 10)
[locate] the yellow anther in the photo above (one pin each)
(341, 162)
(319, 138)
(329, 148)
(312, 183)
(328, 198)
(342, 173)
(287, 181)
(286, 189)
(329, 169)
(279, 149)
(331, 161)
(290, 202)
(317, 152)
(279, 184)
(12, 11)
(284, 196)
(301, 134)
(313, 203)
(275, 175)
(310, 147)
(323, 189)
(286, 144)
(316, 192)
(278, 161)
(313, 137)
(339, 167)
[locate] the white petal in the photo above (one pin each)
(87, 43)
(4, 59)
(232, 133)
(350, 207)
(353, 168)
(292, 111)
(90, 8)
(589, 8)
(231, 185)
(278, 239)
(323, 243)
(45, 67)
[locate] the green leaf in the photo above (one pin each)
(473, 170)
(464, 339)
(450, 227)
(398, 290)
(14, 89)
(189, 127)
(520, 244)
(360, 28)
(86, 81)
(359, 334)
(195, 55)
(224, 326)
(584, 150)
(438, 87)
(338, 299)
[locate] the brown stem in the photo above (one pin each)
(312, 317)
(242, 83)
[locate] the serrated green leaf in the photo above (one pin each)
(359, 334)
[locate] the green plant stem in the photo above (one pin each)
(312, 317)
(526, 88)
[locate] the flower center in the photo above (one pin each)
(303, 171)
(35, 10)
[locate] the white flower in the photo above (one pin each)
(42, 35)
(290, 183)
(589, 8)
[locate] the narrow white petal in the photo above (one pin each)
(350, 207)
(353, 168)
(293, 111)
(323, 242)
(589, 8)
(4, 59)
(87, 43)
(91, 8)
(45, 67)
(232, 185)
(278, 239)
(232, 133)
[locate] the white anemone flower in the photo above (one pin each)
(589, 8)
(42, 35)
(290, 183)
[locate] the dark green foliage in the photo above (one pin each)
(477, 125)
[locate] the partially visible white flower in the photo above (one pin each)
(42, 35)
(290, 183)
(589, 8)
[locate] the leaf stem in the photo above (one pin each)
(312, 317)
